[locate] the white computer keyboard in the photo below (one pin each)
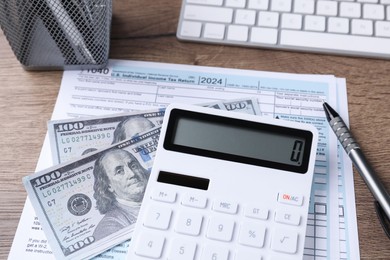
(349, 27)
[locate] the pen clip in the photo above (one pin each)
(385, 222)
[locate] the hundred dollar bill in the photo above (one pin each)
(216, 105)
(248, 106)
(100, 125)
(88, 205)
(72, 138)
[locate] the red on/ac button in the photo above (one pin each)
(288, 198)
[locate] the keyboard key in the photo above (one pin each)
(268, 19)
(252, 234)
(362, 27)
(189, 223)
(388, 12)
(281, 5)
(368, 1)
(264, 35)
(158, 217)
(182, 250)
(220, 229)
(214, 31)
(149, 245)
(352, 10)
(382, 29)
(191, 29)
(304, 6)
(284, 240)
(206, 2)
(258, 4)
(215, 253)
(314, 23)
(291, 21)
(237, 33)
(235, 3)
(374, 12)
(327, 8)
(208, 13)
(246, 17)
(338, 25)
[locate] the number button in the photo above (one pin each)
(189, 223)
(149, 245)
(157, 217)
(215, 253)
(220, 229)
(182, 250)
(247, 255)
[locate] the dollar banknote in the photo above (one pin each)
(247, 106)
(64, 196)
(72, 138)
(91, 204)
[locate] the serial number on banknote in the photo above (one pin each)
(83, 138)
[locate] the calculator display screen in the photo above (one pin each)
(239, 140)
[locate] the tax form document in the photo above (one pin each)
(126, 86)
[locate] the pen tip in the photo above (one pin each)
(329, 111)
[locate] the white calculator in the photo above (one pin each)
(226, 186)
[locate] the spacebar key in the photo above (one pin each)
(328, 42)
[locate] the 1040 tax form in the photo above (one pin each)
(126, 86)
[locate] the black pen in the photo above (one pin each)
(358, 159)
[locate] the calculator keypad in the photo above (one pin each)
(192, 218)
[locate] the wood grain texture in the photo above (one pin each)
(145, 30)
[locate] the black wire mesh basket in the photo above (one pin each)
(58, 34)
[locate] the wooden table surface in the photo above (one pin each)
(145, 30)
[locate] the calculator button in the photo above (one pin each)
(157, 217)
(256, 211)
(252, 234)
(196, 201)
(189, 223)
(225, 206)
(215, 253)
(284, 240)
(220, 229)
(164, 195)
(291, 199)
(149, 245)
(287, 217)
(247, 255)
(182, 250)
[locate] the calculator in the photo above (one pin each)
(226, 186)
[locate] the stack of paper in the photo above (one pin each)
(129, 86)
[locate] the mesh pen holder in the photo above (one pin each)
(58, 34)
